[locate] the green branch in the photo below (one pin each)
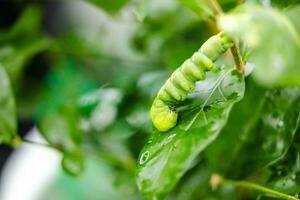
(217, 180)
(235, 48)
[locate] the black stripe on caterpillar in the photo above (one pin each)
(182, 81)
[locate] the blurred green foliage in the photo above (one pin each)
(109, 6)
(88, 81)
(8, 125)
(270, 126)
(22, 42)
(274, 41)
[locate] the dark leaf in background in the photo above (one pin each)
(167, 156)
(14, 58)
(284, 4)
(289, 183)
(22, 41)
(28, 23)
(195, 185)
(286, 173)
(259, 131)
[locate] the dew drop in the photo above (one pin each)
(72, 164)
(149, 142)
(144, 157)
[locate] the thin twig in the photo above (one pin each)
(216, 7)
(234, 49)
(217, 180)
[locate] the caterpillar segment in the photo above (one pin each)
(163, 111)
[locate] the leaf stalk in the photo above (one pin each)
(235, 48)
(217, 180)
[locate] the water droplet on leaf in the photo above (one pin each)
(149, 142)
(144, 157)
(72, 164)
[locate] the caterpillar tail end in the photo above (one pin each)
(163, 118)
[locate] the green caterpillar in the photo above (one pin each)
(182, 81)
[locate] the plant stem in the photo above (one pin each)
(218, 180)
(237, 57)
(216, 7)
(234, 49)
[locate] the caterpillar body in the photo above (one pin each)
(182, 81)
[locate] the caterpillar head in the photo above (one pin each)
(163, 116)
(216, 45)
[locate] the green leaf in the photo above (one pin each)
(22, 41)
(58, 116)
(195, 184)
(73, 163)
(8, 119)
(14, 57)
(167, 156)
(286, 173)
(259, 131)
(112, 145)
(274, 41)
(28, 23)
(61, 128)
(108, 5)
(200, 7)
